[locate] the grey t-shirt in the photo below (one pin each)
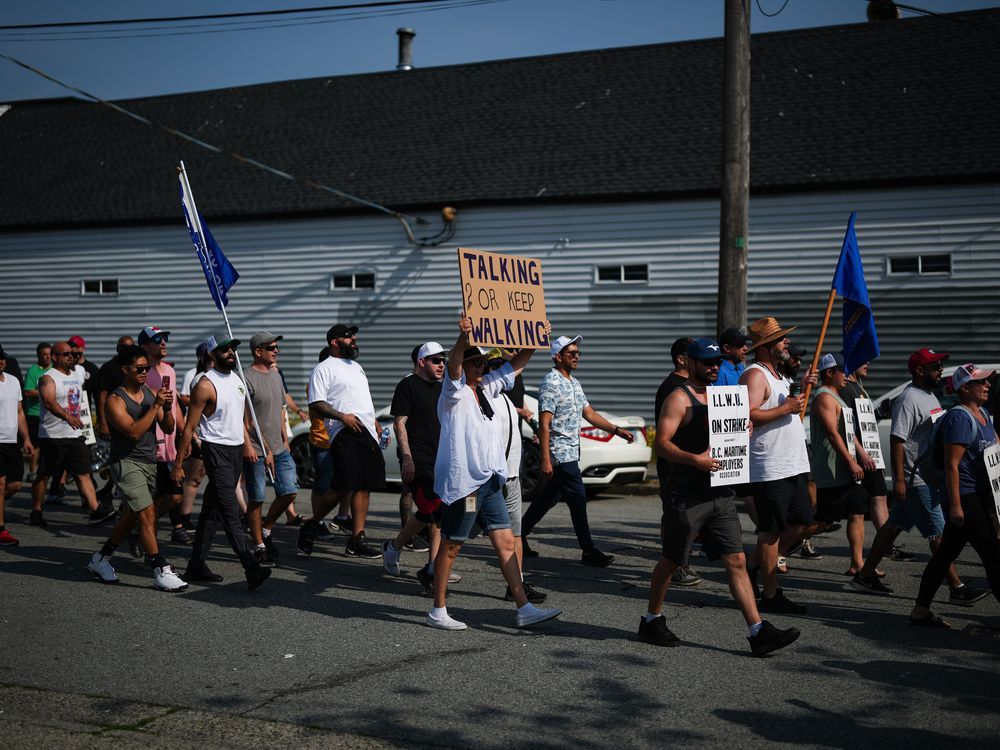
(913, 415)
(268, 396)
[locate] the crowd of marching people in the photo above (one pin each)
(456, 419)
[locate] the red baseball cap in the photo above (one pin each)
(925, 356)
(77, 341)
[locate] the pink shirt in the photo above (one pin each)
(166, 445)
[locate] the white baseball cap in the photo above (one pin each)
(561, 343)
(430, 349)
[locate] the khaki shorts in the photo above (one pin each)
(136, 481)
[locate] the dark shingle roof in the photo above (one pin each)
(905, 102)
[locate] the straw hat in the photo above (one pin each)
(766, 330)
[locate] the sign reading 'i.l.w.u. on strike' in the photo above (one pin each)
(505, 298)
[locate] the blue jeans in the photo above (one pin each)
(566, 479)
(920, 508)
(456, 521)
(285, 477)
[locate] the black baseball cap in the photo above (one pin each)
(339, 330)
(734, 337)
(797, 351)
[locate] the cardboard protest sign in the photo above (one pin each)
(868, 426)
(992, 457)
(504, 297)
(729, 433)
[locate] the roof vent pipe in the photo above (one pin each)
(405, 48)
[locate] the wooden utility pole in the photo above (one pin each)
(735, 219)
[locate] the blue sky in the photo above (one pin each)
(146, 66)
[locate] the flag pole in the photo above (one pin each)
(225, 316)
(819, 348)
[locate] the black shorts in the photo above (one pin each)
(59, 454)
(874, 483)
(11, 463)
(715, 520)
(836, 503)
(33, 423)
(165, 485)
(358, 463)
(781, 503)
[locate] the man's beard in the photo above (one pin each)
(348, 351)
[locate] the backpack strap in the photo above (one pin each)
(935, 436)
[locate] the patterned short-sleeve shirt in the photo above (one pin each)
(564, 398)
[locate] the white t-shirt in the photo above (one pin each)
(225, 426)
(777, 449)
(69, 395)
(342, 384)
(507, 423)
(10, 397)
(189, 380)
(470, 450)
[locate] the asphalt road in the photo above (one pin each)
(331, 653)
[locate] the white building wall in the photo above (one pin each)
(286, 269)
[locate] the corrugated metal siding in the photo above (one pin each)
(286, 266)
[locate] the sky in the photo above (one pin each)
(152, 62)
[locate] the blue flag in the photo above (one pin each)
(219, 272)
(860, 339)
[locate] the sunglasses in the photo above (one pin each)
(575, 354)
(159, 339)
(77, 354)
(477, 362)
(436, 360)
(225, 348)
(139, 368)
(272, 348)
(62, 354)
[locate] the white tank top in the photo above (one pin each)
(777, 449)
(69, 394)
(225, 426)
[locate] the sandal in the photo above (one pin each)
(930, 620)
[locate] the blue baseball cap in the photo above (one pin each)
(704, 348)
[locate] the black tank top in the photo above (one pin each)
(688, 481)
(122, 446)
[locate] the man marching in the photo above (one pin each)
(217, 405)
(695, 507)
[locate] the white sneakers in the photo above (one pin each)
(529, 614)
(390, 559)
(165, 579)
(101, 568)
(445, 622)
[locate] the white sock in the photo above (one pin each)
(261, 546)
(438, 612)
(649, 616)
(756, 628)
(266, 533)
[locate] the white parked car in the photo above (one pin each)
(605, 461)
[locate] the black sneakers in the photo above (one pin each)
(596, 559)
(272, 551)
(102, 513)
(36, 519)
(307, 536)
(201, 574)
(534, 595)
(770, 638)
(966, 596)
(256, 575)
(358, 547)
(656, 632)
(869, 585)
(780, 603)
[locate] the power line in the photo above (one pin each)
(229, 26)
(403, 219)
(284, 11)
(771, 15)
